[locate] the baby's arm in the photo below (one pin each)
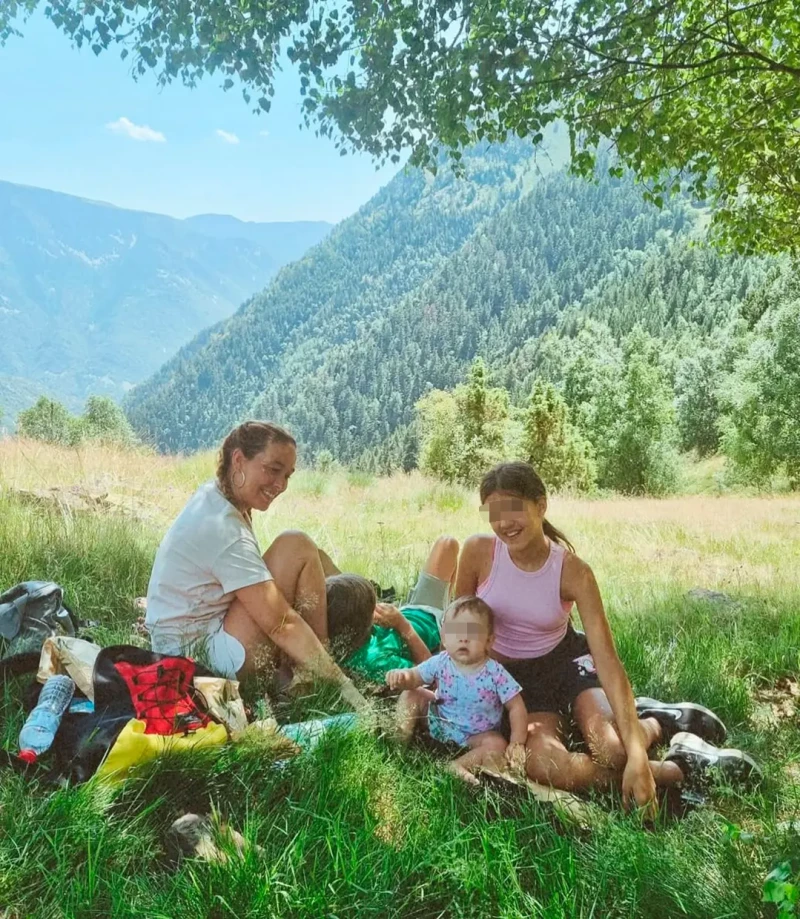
(408, 678)
(518, 716)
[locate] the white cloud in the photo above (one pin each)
(227, 136)
(264, 133)
(136, 131)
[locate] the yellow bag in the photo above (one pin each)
(133, 747)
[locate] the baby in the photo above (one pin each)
(471, 692)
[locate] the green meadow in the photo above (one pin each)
(360, 828)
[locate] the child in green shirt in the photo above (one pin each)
(373, 638)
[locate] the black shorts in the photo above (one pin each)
(553, 682)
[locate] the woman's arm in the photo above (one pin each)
(579, 584)
(391, 617)
(267, 607)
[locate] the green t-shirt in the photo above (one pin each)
(386, 650)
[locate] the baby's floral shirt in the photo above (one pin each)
(466, 703)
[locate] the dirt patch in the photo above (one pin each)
(778, 703)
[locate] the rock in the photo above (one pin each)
(204, 837)
(78, 499)
(715, 597)
(569, 808)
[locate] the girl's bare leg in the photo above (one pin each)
(485, 749)
(443, 559)
(595, 719)
(411, 707)
(551, 763)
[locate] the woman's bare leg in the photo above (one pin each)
(328, 565)
(294, 561)
(260, 654)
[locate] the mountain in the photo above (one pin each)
(285, 242)
(94, 298)
(16, 394)
(369, 261)
(433, 271)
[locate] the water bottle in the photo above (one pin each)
(309, 733)
(39, 731)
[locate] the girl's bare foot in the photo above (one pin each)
(462, 773)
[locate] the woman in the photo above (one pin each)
(211, 590)
(530, 576)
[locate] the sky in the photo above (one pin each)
(79, 123)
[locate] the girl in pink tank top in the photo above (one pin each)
(530, 617)
(529, 575)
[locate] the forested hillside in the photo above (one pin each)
(368, 263)
(432, 272)
(94, 298)
(566, 250)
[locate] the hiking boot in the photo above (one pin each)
(683, 716)
(696, 758)
(384, 594)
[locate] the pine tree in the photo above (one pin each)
(762, 428)
(553, 445)
(483, 412)
(642, 458)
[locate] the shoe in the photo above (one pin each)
(384, 594)
(683, 716)
(696, 757)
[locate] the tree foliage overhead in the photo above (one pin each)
(703, 94)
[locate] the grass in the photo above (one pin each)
(358, 827)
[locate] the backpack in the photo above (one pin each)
(145, 704)
(31, 612)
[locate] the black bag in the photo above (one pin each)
(30, 613)
(83, 739)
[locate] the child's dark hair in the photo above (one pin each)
(470, 604)
(523, 481)
(351, 602)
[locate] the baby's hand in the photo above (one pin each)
(399, 679)
(516, 757)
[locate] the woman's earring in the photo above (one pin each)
(239, 484)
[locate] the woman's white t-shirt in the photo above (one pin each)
(208, 554)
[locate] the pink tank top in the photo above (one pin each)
(530, 618)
